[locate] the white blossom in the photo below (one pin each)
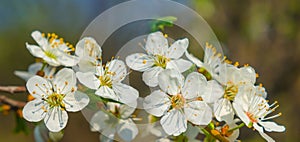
(34, 69)
(52, 50)
(116, 119)
(107, 81)
(89, 53)
(159, 57)
(179, 101)
(53, 99)
(253, 110)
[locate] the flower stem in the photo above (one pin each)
(237, 127)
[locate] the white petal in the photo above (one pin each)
(125, 93)
(248, 74)
(106, 139)
(103, 123)
(198, 112)
(223, 110)
(64, 81)
(88, 79)
(266, 137)
(56, 119)
(150, 77)
(178, 48)
(35, 50)
(23, 74)
(261, 91)
(240, 113)
(157, 103)
(272, 126)
(194, 86)
(181, 65)
(257, 127)
(88, 46)
(33, 111)
(76, 101)
(38, 87)
(35, 67)
(213, 92)
(156, 44)
(118, 69)
(127, 130)
(127, 110)
(68, 60)
(174, 122)
(195, 60)
(107, 92)
(87, 64)
(170, 81)
(139, 62)
(40, 40)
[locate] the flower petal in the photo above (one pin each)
(198, 112)
(65, 81)
(23, 75)
(248, 74)
(178, 48)
(40, 40)
(38, 87)
(88, 46)
(107, 92)
(240, 113)
(76, 101)
(33, 111)
(170, 81)
(88, 79)
(150, 77)
(56, 119)
(195, 60)
(272, 126)
(87, 65)
(125, 93)
(174, 122)
(127, 130)
(156, 44)
(157, 103)
(139, 62)
(118, 70)
(35, 50)
(180, 65)
(103, 123)
(223, 110)
(266, 137)
(99, 121)
(194, 86)
(127, 110)
(213, 92)
(67, 60)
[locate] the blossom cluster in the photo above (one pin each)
(213, 97)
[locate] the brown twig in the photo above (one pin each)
(12, 89)
(11, 102)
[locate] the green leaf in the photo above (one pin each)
(159, 24)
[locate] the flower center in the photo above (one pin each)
(56, 100)
(251, 117)
(177, 101)
(105, 80)
(56, 42)
(50, 55)
(161, 61)
(230, 91)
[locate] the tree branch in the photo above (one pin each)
(11, 102)
(12, 89)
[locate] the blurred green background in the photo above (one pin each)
(264, 34)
